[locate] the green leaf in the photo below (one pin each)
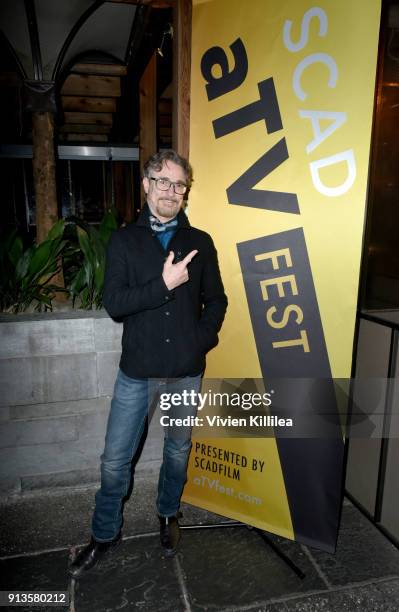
(89, 273)
(107, 226)
(45, 299)
(79, 223)
(57, 230)
(15, 250)
(99, 277)
(40, 258)
(85, 245)
(22, 267)
(97, 245)
(78, 282)
(57, 247)
(85, 298)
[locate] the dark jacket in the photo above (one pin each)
(165, 333)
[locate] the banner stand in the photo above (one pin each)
(260, 533)
(280, 125)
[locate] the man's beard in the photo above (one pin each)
(166, 210)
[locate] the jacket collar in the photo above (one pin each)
(144, 218)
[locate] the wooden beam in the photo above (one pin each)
(84, 137)
(123, 189)
(165, 106)
(100, 69)
(86, 129)
(165, 121)
(165, 133)
(43, 164)
(87, 85)
(181, 76)
(148, 111)
(44, 181)
(88, 118)
(88, 105)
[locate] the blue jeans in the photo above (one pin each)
(130, 408)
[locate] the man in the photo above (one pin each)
(162, 278)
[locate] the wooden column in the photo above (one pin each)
(44, 181)
(123, 190)
(148, 111)
(181, 76)
(44, 173)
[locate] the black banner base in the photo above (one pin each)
(261, 534)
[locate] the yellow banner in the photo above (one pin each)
(281, 111)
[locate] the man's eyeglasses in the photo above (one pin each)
(164, 184)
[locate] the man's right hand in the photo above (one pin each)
(176, 274)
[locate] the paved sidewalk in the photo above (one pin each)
(226, 569)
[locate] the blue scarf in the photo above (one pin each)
(164, 231)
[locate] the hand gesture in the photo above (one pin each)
(176, 274)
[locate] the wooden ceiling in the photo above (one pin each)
(89, 98)
(89, 101)
(98, 94)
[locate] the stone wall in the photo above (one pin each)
(56, 378)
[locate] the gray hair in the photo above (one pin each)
(156, 162)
